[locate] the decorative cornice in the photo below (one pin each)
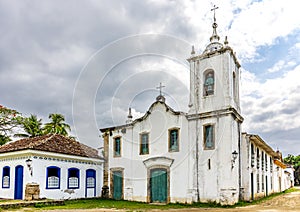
(158, 161)
(214, 53)
(217, 113)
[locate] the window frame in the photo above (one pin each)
(262, 161)
(77, 176)
(266, 162)
(234, 85)
(4, 170)
(115, 146)
(204, 136)
(252, 155)
(90, 173)
(147, 143)
(58, 169)
(257, 159)
(170, 138)
(205, 77)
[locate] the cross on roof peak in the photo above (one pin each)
(160, 88)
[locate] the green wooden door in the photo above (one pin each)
(159, 188)
(117, 185)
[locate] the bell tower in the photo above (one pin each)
(214, 76)
(214, 119)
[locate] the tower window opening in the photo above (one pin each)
(209, 83)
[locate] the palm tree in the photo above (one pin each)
(57, 125)
(4, 139)
(32, 127)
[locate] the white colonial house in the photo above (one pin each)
(263, 171)
(49, 166)
(196, 156)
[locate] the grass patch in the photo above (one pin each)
(140, 206)
(123, 204)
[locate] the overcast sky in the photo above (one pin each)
(91, 60)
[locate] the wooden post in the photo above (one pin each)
(105, 188)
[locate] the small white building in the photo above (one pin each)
(57, 166)
(196, 156)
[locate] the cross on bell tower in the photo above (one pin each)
(215, 37)
(214, 9)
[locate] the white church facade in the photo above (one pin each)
(50, 166)
(196, 156)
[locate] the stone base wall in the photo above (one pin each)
(32, 191)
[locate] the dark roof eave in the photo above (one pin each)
(33, 149)
(261, 143)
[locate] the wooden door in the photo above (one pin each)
(117, 185)
(158, 184)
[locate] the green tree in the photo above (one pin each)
(295, 161)
(32, 127)
(292, 160)
(57, 125)
(9, 120)
(4, 139)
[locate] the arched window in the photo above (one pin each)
(252, 155)
(53, 177)
(257, 158)
(209, 83)
(73, 178)
(6, 177)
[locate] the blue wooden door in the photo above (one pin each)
(117, 185)
(18, 182)
(159, 187)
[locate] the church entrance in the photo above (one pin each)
(117, 185)
(159, 185)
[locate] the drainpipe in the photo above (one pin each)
(240, 162)
(197, 160)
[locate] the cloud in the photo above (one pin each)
(260, 23)
(273, 104)
(46, 47)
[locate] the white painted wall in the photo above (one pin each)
(157, 125)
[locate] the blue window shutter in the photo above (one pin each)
(6, 177)
(52, 171)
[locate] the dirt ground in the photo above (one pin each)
(286, 202)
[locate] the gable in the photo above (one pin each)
(155, 107)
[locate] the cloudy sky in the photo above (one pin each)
(91, 60)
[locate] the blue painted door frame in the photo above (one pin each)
(18, 182)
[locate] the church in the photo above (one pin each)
(200, 155)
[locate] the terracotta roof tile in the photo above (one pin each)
(52, 143)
